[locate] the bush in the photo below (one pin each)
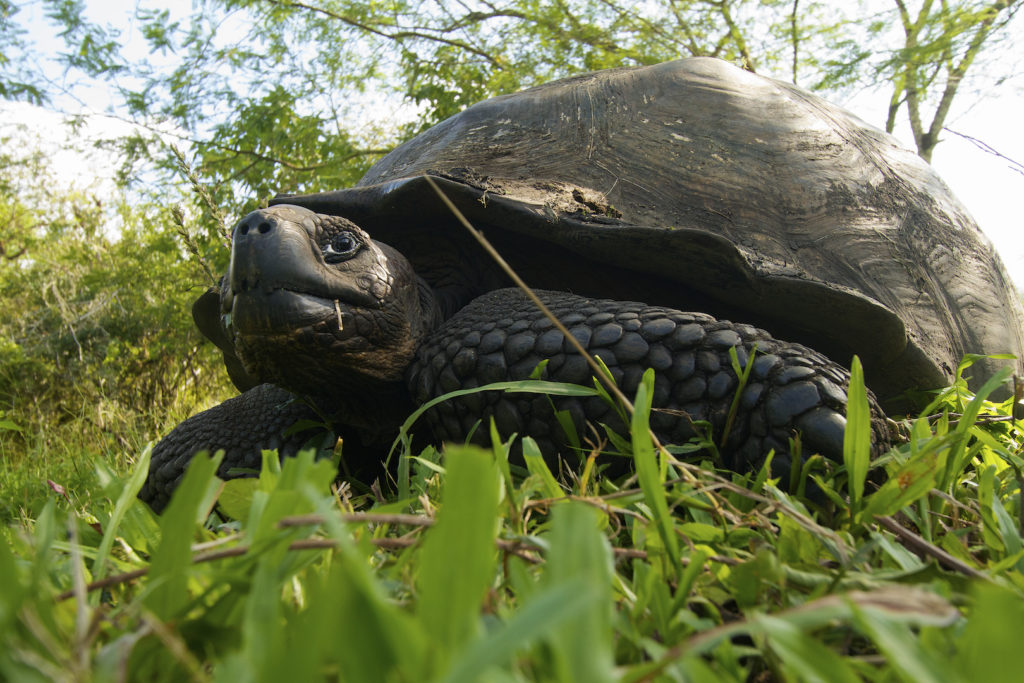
(96, 340)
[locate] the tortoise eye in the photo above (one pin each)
(342, 247)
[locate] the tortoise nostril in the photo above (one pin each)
(243, 229)
(264, 227)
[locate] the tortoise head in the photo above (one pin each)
(312, 304)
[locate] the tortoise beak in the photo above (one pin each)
(275, 248)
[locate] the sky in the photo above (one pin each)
(989, 186)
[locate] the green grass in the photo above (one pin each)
(37, 448)
(484, 571)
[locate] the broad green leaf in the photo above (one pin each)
(12, 589)
(989, 649)
(168, 571)
(894, 638)
(537, 467)
(579, 556)
(262, 633)
(857, 437)
(351, 624)
(127, 497)
(987, 501)
(235, 500)
(805, 655)
(957, 459)
(565, 421)
(551, 609)
(647, 469)
(458, 555)
(912, 480)
(302, 485)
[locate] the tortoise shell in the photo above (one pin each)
(700, 186)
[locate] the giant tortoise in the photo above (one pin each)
(687, 186)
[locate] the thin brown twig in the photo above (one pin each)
(520, 548)
(924, 549)
(291, 165)
(397, 36)
(600, 502)
(358, 517)
(599, 372)
(902, 600)
(515, 547)
(986, 418)
(204, 195)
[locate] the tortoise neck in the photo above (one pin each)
(436, 305)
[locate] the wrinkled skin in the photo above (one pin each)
(319, 322)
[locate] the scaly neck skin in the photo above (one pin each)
(433, 309)
(377, 407)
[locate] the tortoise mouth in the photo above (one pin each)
(286, 312)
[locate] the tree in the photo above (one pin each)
(298, 75)
(934, 51)
(94, 321)
(272, 95)
(16, 83)
(941, 46)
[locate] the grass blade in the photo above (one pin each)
(168, 572)
(857, 438)
(127, 497)
(991, 639)
(580, 557)
(458, 555)
(647, 470)
(562, 603)
(537, 467)
(804, 655)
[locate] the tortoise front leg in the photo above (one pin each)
(502, 336)
(242, 426)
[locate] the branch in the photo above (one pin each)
(736, 35)
(958, 71)
(289, 164)
(911, 31)
(554, 27)
(985, 147)
(795, 33)
(923, 549)
(684, 26)
(397, 36)
(657, 29)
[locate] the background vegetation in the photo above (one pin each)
(677, 575)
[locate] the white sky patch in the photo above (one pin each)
(75, 162)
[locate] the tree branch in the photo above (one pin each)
(985, 147)
(923, 548)
(291, 165)
(795, 37)
(736, 35)
(397, 36)
(957, 72)
(911, 31)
